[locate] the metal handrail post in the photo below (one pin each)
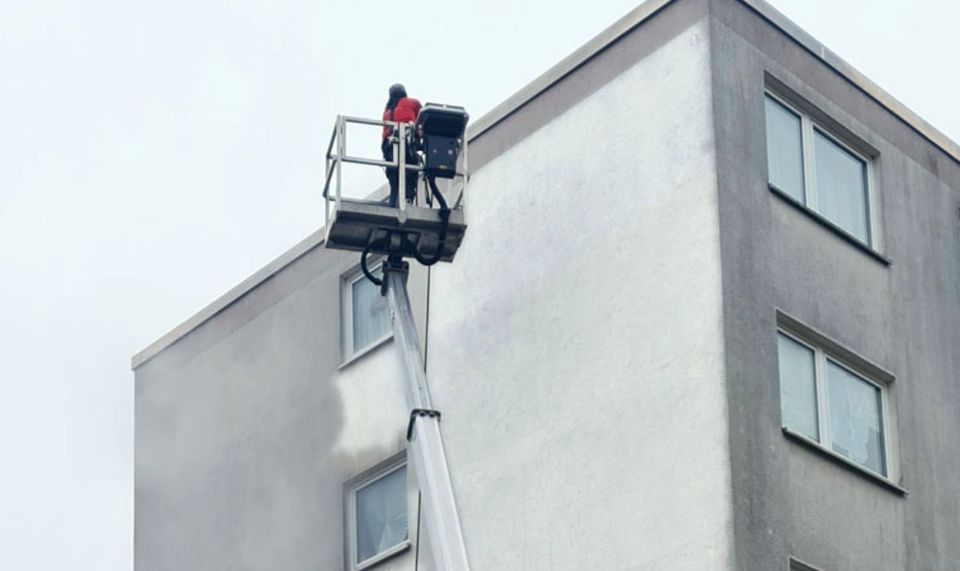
(465, 175)
(426, 442)
(327, 173)
(333, 138)
(341, 150)
(402, 171)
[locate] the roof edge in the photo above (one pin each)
(862, 82)
(566, 66)
(766, 11)
(312, 241)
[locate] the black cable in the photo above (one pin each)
(432, 181)
(363, 261)
(444, 220)
(426, 324)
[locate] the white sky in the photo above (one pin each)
(152, 155)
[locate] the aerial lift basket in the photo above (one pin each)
(416, 229)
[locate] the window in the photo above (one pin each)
(817, 170)
(377, 514)
(366, 317)
(827, 402)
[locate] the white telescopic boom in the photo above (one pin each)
(426, 443)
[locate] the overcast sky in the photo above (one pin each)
(153, 155)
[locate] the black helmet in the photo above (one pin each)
(397, 90)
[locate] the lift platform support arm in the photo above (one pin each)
(426, 443)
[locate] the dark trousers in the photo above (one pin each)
(393, 175)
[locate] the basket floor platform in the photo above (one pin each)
(355, 224)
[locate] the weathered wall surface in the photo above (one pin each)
(575, 350)
(603, 349)
(905, 317)
(576, 343)
(246, 430)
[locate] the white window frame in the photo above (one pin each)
(808, 128)
(821, 357)
(349, 352)
(389, 466)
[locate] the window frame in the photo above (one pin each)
(809, 127)
(349, 353)
(351, 487)
(822, 357)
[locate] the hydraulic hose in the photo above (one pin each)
(363, 261)
(444, 220)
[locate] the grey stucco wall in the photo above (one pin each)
(561, 351)
(603, 349)
(576, 345)
(247, 429)
(905, 317)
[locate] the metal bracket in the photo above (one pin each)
(417, 413)
(394, 263)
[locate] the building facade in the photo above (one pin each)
(705, 316)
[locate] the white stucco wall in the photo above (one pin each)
(248, 428)
(575, 345)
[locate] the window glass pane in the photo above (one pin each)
(784, 149)
(381, 514)
(371, 317)
(798, 388)
(856, 429)
(841, 187)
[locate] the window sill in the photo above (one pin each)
(365, 351)
(844, 462)
(381, 557)
(840, 232)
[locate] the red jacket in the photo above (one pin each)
(406, 111)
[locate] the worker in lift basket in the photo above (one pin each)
(400, 109)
